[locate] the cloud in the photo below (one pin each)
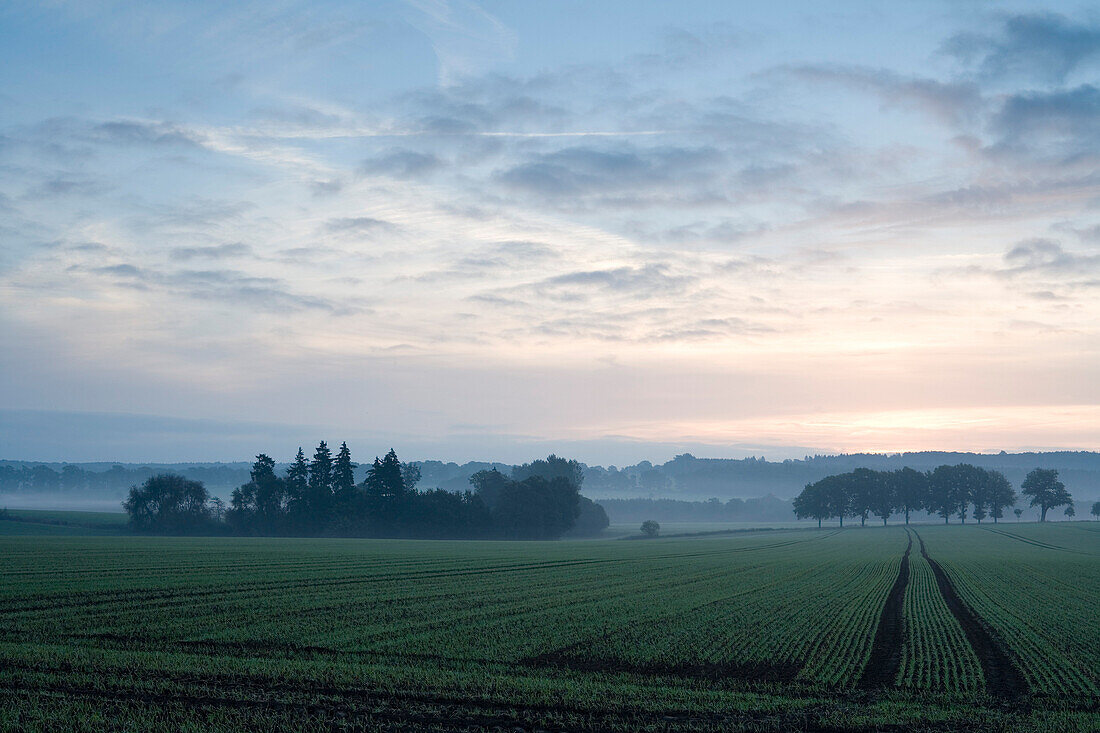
(402, 163)
(582, 170)
(708, 329)
(1044, 46)
(1047, 257)
(359, 225)
(68, 186)
(129, 132)
(644, 282)
(464, 36)
(952, 102)
(1063, 121)
(226, 286)
(215, 252)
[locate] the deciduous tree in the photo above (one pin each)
(1045, 490)
(812, 504)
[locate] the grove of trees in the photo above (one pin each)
(949, 491)
(540, 500)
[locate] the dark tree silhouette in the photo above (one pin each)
(169, 504)
(592, 519)
(650, 528)
(321, 498)
(837, 496)
(862, 487)
(1045, 490)
(910, 490)
(883, 495)
(489, 485)
(1096, 510)
(950, 488)
(410, 475)
(1000, 494)
(812, 504)
(320, 482)
(550, 468)
(260, 505)
(343, 476)
(297, 484)
(384, 479)
(536, 508)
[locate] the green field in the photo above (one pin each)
(798, 629)
(58, 522)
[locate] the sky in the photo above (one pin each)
(615, 230)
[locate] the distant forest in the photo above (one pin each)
(685, 477)
(320, 497)
(685, 489)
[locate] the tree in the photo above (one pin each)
(72, 478)
(910, 490)
(167, 503)
(1070, 512)
(320, 483)
(592, 519)
(260, 505)
(979, 494)
(812, 504)
(551, 468)
(1045, 490)
(488, 485)
(1000, 494)
(217, 509)
(297, 485)
(861, 487)
(410, 475)
(384, 479)
(650, 528)
(1018, 512)
(343, 476)
(837, 497)
(882, 493)
(1096, 510)
(537, 508)
(950, 489)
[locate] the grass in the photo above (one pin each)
(752, 631)
(60, 522)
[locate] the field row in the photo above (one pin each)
(763, 630)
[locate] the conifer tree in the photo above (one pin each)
(343, 475)
(297, 483)
(320, 482)
(384, 480)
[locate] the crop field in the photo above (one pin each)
(926, 628)
(55, 522)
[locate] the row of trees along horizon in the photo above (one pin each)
(540, 500)
(949, 491)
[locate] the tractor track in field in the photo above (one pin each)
(1002, 678)
(1036, 543)
(885, 659)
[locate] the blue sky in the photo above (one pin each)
(490, 230)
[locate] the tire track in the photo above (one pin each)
(885, 660)
(1002, 677)
(1037, 543)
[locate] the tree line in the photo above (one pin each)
(73, 479)
(949, 491)
(320, 496)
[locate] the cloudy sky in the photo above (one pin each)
(489, 230)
